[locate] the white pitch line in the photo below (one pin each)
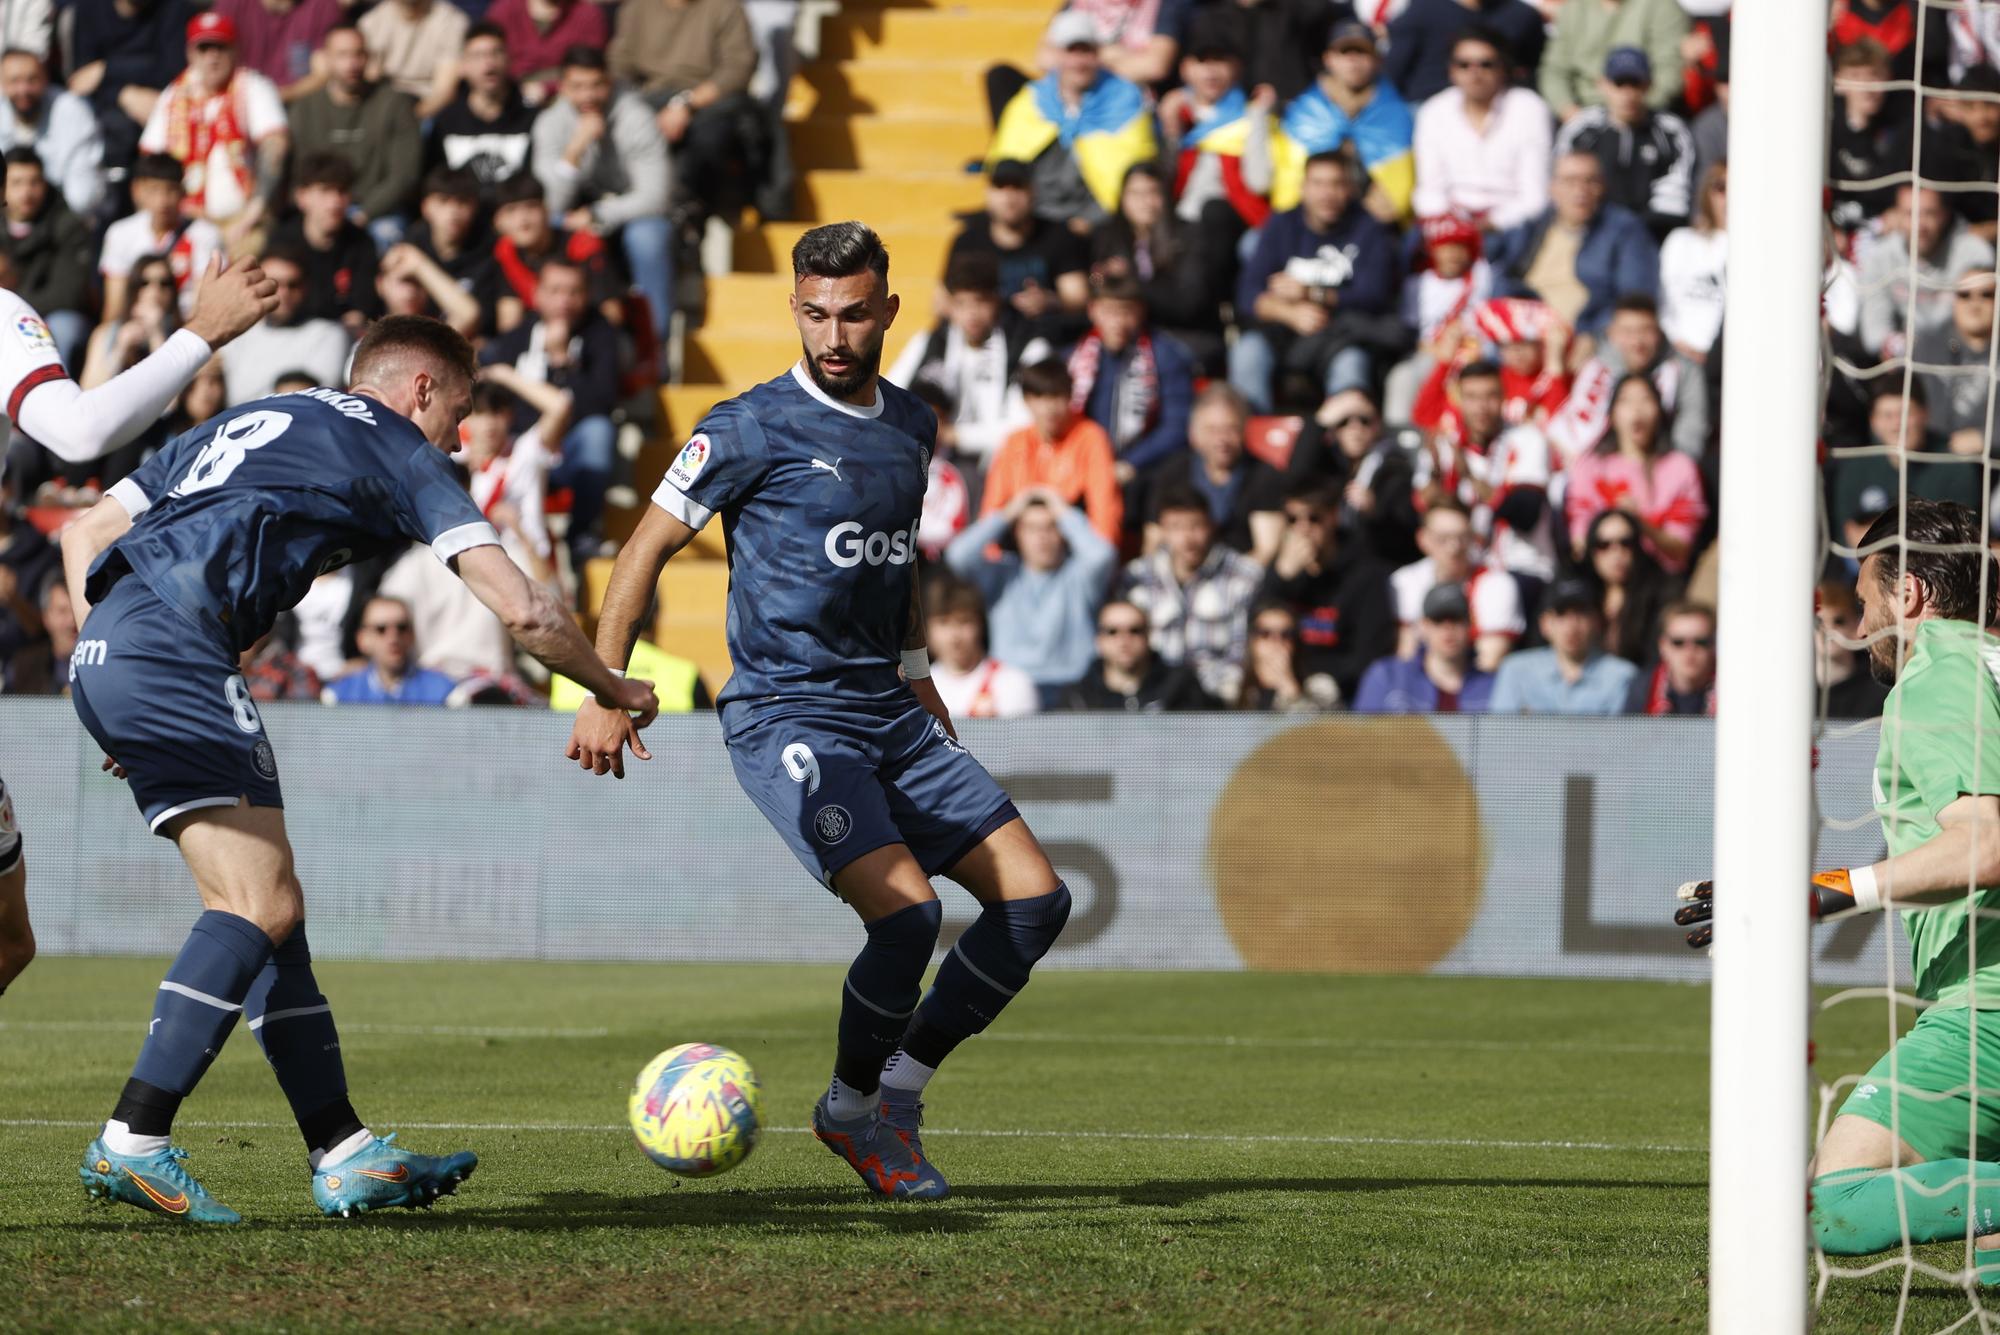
(399, 1030)
(1165, 1137)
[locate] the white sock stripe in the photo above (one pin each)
(976, 973)
(295, 1011)
(885, 1014)
(168, 985)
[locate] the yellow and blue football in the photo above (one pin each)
(697, 1109)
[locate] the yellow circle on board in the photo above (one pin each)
(1350, 846)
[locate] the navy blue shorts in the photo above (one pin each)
(164, 699)
(838, 785)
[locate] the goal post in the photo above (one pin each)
(1770, 551)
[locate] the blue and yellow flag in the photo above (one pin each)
(1314, 123)
(1111, 131)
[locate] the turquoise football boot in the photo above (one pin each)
(156, 1182)
(885, 1161)
(385, 1174)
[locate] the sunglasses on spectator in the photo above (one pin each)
(1123, 628)
(1355, 419)
(1606, 544)
(1475, 63)
(1683, 641)
(389, 627)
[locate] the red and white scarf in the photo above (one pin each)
(1135, 402)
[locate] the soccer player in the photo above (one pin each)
(1937, 792)
(79, 425)
(819, 476)
(181, 567)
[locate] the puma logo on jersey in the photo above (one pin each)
(847, 547)
(833, 468)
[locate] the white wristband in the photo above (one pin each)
(616, 672)
(916, 664)
(1867, 894)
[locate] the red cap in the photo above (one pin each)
(212, 27)
(1450, 229)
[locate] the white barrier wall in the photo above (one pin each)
(1474, 845)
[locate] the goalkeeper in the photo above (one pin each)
(1937, 791)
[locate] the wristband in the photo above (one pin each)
(916, 664)
(616, 672)
(1867, 894)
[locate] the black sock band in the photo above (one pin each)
(330, 1125)
(929, 1044)
(147, 1110)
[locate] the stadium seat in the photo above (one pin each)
(1272, 439)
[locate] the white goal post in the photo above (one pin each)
(1770, 552)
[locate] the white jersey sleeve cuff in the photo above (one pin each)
(126, 492)
(464, 538)
(681, 506)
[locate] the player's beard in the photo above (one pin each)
(867, 364)
(1882, 655)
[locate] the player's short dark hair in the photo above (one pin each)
(326, 168)
(452, 183)
(1479, 370)
(432, 342)
(519, 188)
(1952, 577)
(486, 28)
(158, 167)
(488, 397)
(1635, 303)
(24, 156)
(973, 272)
(584, 57)
(840, 250)
(1181, 496)
(1048, 378)
(295, 376)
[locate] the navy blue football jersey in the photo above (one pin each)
(233, 520)
(820, 502)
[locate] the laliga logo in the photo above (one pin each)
(846, 547)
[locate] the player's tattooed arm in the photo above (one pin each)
(915, 642)
(598, 741)
(103, 524)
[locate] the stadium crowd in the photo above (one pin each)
(1304, 356)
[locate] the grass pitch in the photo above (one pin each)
(1174, 1152)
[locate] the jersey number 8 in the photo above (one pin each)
(225, 450)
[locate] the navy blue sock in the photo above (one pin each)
(981, 974)
(294, 1025)
(881, 991)
(193, 1012)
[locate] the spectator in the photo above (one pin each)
(1425, 41)
(1956, 358)
(1196, 594)
(1646, 156)
(1710, 127)
(1482, 147)
(971, 682)
(1136, 40)
(1904, 455)
(1582, 254)
(1583, 36)
(1945, 247)
(1153, 247)
(1339, 591)
(1318, 294)
(449, 231)
(1281, 40)
(1043, 265)
(1452, 560)
(1350, 104)
(1694, 266)
(1245, 496)
(1127, 675)
(369, 124)
(510, 474)
(58, 125)
(1436, 672)
(1573, 674)
(567, 346)
(273, 671)
(1848, 690)
(956, 482)
(1061, 449)
(1633, 470)
(118, 345)
(26, 559)
(1533, 349)
(227, 129)
(487, 128)
(1683, 681)
(1965, 150)
(388, 638)
(1449, 284)
(459, 635)
(1633, 345)
(51, 250)
(287, 337)
(972, 355)
(1132, 380)
(1630, 587)
(1271, 682)
(525, 240)
(1080, 127)
(1893, 25)
(1500, 473)
(156, 226)
(409, 282)
(1870, 138)
(43, 668)
(414, 46)
(1040, 597)
(279, 39)
(123, 55)
(537, 33)
(206, 395)
(1344, 444)
(692, 61)
(340, 258)
(603, 166)
(1218, 137)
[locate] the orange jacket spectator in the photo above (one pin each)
(1078, 464)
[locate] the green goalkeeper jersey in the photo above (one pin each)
(1941, 741)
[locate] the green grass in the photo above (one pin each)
(1406, 1154)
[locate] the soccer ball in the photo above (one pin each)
(696, 1110)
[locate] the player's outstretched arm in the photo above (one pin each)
(598, 741)
(102, 524)
(78, 425)
(545, 629)
(917, 662)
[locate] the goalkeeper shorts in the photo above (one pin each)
(1922, 1088)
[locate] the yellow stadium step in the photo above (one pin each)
(935, 34)
(931, 141)
(891, 87)
(694, 610)
(1039, 7)
(739, 357)
(886, 199)
(752, 301)
(682, 406)
(916, 251)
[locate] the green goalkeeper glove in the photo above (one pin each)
(1832, 894)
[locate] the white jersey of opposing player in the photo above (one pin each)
(28, 355)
